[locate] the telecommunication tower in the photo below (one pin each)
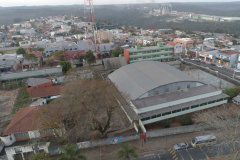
(91, 33)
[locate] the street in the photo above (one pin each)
(186, 154)
(224, 71)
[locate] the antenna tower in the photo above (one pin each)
(90, 23)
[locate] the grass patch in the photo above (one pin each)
(22, 99)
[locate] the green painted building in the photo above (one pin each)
(160, 52)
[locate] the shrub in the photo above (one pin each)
(186, 120)
(166, 123)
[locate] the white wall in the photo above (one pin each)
(8, 140)
(184, 112)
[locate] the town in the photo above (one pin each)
(74, 88)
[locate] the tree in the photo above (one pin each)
(71, 152)
(232, 92)
(50, 62)
(66, 65)
(127, 152)
(40, 49)
(186, 120)
(117, 51)
(32, 58)
(89, 57)
(21, 51)
(59, 54)
(225, 121)
(234, 42)
(84, 109)
(40, 156)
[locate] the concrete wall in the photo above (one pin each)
(8, 140)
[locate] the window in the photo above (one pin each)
(178, 87)
(45, 131)
(188, 86)
(184, 109)
(167, 89)
(21, 135)
(167, 113)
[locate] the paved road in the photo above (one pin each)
(203, 153)
(225, 71)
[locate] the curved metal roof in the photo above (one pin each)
(138, 78)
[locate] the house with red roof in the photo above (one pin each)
(36, 53)
(24, 126)
(72, 55)
(38, 83)
(49, 93)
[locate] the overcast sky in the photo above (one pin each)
(8, 3)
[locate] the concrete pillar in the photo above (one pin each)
(22, 156)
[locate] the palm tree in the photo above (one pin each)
(127, 152)
(71, 152)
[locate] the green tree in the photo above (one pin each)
(40, 156)
(127, 152)
(89, 57)
(116, 52)
(40, 49)
(21, 51)
(202, 37)
(183, 36)
(32, 58)
(186, 120)
(234, 42)
(50, 62)
(166, 123)
(71, 152)
(232, 92)
(65, 66)
(59, 54)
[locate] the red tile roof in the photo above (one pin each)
(36, 53)
(70, 54)
(23, 121)
(172, 43)
(45, 91)
(231, 52)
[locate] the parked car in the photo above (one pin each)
(197, 60)
(203, 62)
(219, 66)
(213, 64)
(192, 59)
(181, 146)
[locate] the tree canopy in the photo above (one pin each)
(66, 65)
(117, 51)
(71, 152)
(60, 54)
(21, 51)
(89, 57)
(126, 152)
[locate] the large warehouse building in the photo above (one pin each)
(157, 91)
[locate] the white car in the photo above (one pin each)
(181, 146)
(219, 66)
(192, 59)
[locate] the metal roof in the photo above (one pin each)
(28, 74)
(114, 63)
(37, 81)
(149, 48)
(138, 78)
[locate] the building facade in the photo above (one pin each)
(186, 42)
(155, 53)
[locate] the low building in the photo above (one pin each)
(228, 58)
(39, 102)
(155, 53)
(209, 56)
(186, 42)
(157, 91)
(178, 48)
(114, 63)
(49, 93)
(38, 83)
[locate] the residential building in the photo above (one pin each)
(209, 56)
(24, 127)
(238, 62)
(49, 93)
(38, 83)
(143, 40)
(8, 62)
(228, 58)
(178, 48)
(105, 35)
(186, 42)
(25, 43)
(157, 91)
(154, 53)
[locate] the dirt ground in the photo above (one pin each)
(7, 99)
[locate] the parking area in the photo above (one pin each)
(202, 153)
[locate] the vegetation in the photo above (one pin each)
(21, 51)
(89, 57)
(85, 109)
(232, 92)
(22, 99)
(50, 62)
(40, 49)
(40, 156)
(186, 120)
(116, 52)
(166, 123)
(11, 85)
(126, 152)
(71, 152)
(32, 58)
(60, 55)
(75, 31)
(66, 65)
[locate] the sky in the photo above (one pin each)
(9, 3)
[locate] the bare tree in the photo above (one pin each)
(86, 107)
(226, 121)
